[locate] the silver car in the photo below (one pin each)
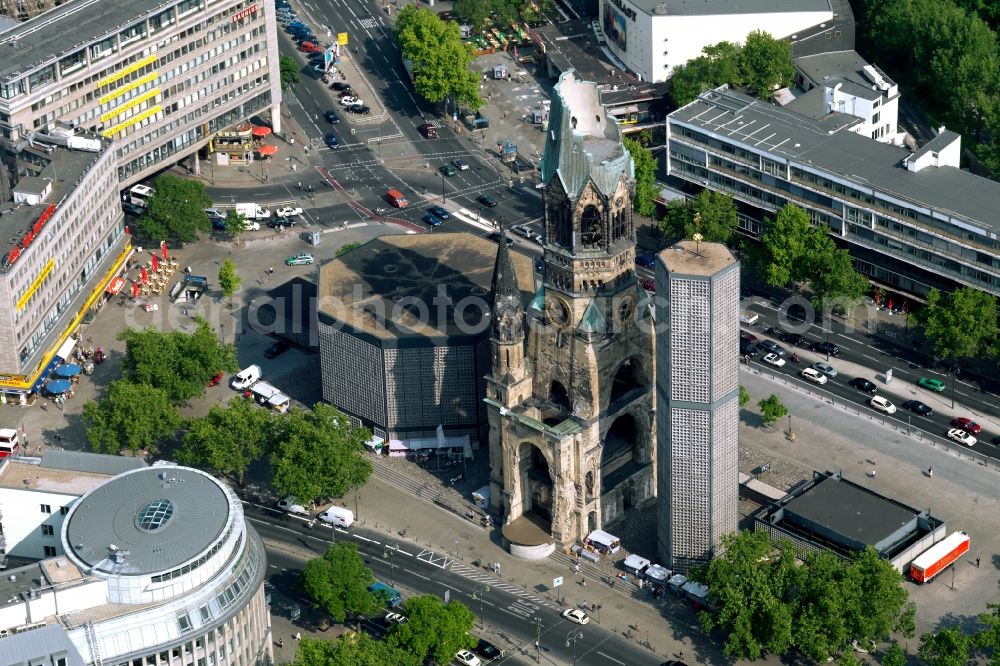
(826, 369)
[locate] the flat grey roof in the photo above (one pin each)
(93, 463)
(715, 7)
(64, 29)
(736, 117)
(50, 640)
(113, 513)
(849, 510)
(844, 65)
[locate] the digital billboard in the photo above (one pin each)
(614, 26)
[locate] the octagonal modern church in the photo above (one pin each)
(571, 390)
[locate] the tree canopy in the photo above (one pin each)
(959, 325)
(288, 69)
(351, 649)
(644, 200)
(712, 214)
(440, 59)
(235, 222)
(338, 583)
(129, 416)
(179, 363)
(772, 409)
(766, 63)
(229, 281)
(228, 439)
(318, 453)
(434, 630)
(176, 210)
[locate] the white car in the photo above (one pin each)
(882, 404)
(291, 505)
(288, 211)
(466, 658)
(814, 375)
(524, 230)
(576, 615)
(774, 359)
(395, 618)
(351, 101)
(962, 437)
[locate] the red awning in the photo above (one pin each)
(267, 149)
(261, 131)
(115, 285)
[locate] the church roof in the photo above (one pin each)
(584, 141)
(593, 321)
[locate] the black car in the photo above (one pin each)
(773, 347)
(645, 260)
(340, 86)
(747, 349)
(487, 650)
(487, 200)
(331, 140)
(918, 408)
(794, 339)
(131, 209)
(276, 222)
(332, 117)
(279, 347)
(826, 348)
(495, 237)
(359, 109)
(863, 385)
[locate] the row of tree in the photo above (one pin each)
(478, 14)
(947, 56)
(961, 325)
(438, 58)
(339, 583)
(760, 65)
(313, 453)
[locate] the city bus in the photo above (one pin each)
(138, 195)
(10, 444)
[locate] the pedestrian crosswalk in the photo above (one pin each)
(527, 602)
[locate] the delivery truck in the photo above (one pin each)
(936, 559)
(270, 396)
(252, 211)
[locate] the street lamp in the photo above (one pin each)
(538, 637)
(389, 553)
(477, 593)
(570, 637)
(954, 372)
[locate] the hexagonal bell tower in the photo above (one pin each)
(577, 448)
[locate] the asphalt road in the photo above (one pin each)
(504, 608)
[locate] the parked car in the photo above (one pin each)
(962, 437)
(645, 260)
(772, 346)
(291, 505)
(432, 220)
(931, 384)
(882, 404)
(863, 385)
(341, 86)
(747, 349)
(462, 165)
(281, 222)
(466, 658)
(319, 68)
(826, 369)
(648, 283)
(576, 615)
(279, 347)
(438, 211)
(303, 259)
(826, 348)
(331, 140)
(429, 130)
(523, 230)
(918, 408)
(746, 336)
(774, 359)
(968, 425)
(794, 339)
(288, 211)
(395, 618)
(487, 650)
(351, 100)
(331, 117)
(487, 200)
(360, 109)
(448, 170)
(814, 375)
(495, 237)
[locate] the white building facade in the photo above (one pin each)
(652, 37)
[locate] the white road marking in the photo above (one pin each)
(415, 573)
(607, 656)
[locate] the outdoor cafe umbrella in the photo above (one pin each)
(267, 149)
(68, 370)
(135, 289)
(144, 275)
(156, 264)
(260, 131)
(163, 250)
(58, 386)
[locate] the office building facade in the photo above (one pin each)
(697, 401)
(912, 220)
(157, 78)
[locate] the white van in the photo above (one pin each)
(246, 378)
(337, 516)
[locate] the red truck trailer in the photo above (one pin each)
(935, 559)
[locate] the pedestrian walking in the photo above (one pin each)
(45, 405)
(583, 582)
(612, 583)
(576, 567)
(977, 562)
(874, 473)
(930, 472)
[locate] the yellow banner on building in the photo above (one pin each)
(131, 104)
(21, 302)
(122, 73)
(152, 111)
(342, 38)
(142, 80)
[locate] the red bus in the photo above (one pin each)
(10, 445)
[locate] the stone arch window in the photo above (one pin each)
(562, 226)
(591, 227)
(588, 484)
(618, 225)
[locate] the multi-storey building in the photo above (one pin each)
(156, 566)
(911, 220)
(59, 209)
(159, 78)
(697, 401)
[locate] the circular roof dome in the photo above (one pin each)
(148, 520)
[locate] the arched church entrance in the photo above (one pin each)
(536, 481)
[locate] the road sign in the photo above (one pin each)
(888, 376)
(447, 596)
(557, 581)
(342, 38)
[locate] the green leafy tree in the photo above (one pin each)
(176, 210)
(959, 325)
(713, 215)
(476, 13)
(228, 439)
(771, 409)
(766, 63)
(347, 247)
(288, 70)
(947, 647)
(351, 649)
(130, 416)
(236, 222)
(179, 363)
(718, 65)
(988, 637)
(744, 396)
(440, 59)
(434, 630)
(229, 281)
(673, 226)
(644, 200)
(338, 583)
(784, 245)
(834, 282)
(894, 656)
(319, 454)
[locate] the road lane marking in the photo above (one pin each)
(415, 573)
(608, 656)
